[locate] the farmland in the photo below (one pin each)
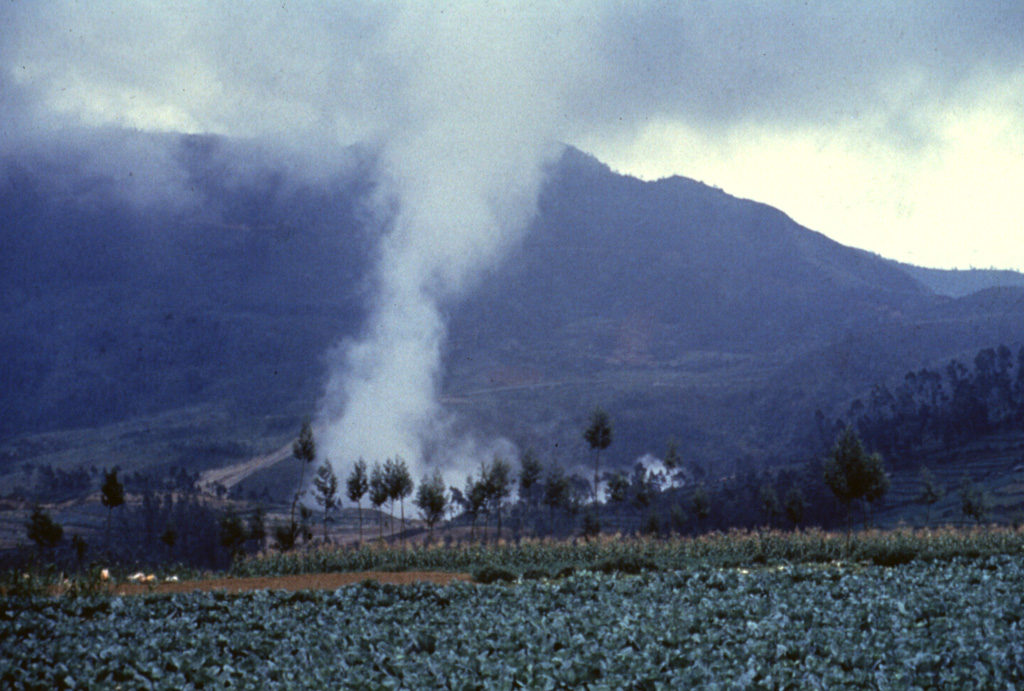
(769, 610)
(953, 624)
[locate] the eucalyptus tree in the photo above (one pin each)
(432, 500)
(399, 486)
(794, 505)
(358, 484)
(598, 435)
(304, 451)
(111, 495)
(556, 491)
(852, 474)
(378, 495)
(931, 492)
(325, 490)
(530, 471)
(497, 481)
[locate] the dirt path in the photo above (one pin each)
(313, 581)
(230, 476)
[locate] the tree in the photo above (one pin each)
(794, 505)
(673, 460)
(973, 503)
(431, 500)
(930, 493)
(358, 485)
(111, 495)
(43, 530)
(232, 533)
(304, 451)
(877, 485)
(599, 436)
(616, 492)
(851, 474)
(556, 490)
(497, 481)
(530, 471)
(700, 503)
(325, 490)
(769, 501)
(378, 495)
(258, 528)
(399, 486)
(474, 499)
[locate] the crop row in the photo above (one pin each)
(931, 625)
(733, 549)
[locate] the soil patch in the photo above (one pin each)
(311, 581)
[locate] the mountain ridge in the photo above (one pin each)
(685, 311)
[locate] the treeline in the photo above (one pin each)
(47, 484)
(932, 408)
(173, 522)
(170, 522)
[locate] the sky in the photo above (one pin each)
(896, 127)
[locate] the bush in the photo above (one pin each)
(626, 563)
(494, 574)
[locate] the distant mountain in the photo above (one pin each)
(959, 283)
(682, 310)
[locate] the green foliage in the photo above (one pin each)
(112, 491)
(852, 474)
(598, 435)
(926, 625)
(232, 533)
(732, 549)
(431, 499)
(794, 505)
(530, 470)
(399, 485)
(357, 485)
(43, 530)
(325, 490)
(973, 502)
(700, 502)
(930, 493)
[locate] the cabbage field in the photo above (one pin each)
(928, 624)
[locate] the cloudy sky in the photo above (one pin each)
(896, 127)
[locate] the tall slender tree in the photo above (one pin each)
(599, 436)
(358, 484)
(530, 470)
(931, 492)
(497, 480)
(304, 451)
(431, 500)
(111, 495)
(399, 486)
(325, 490)
(378, 495)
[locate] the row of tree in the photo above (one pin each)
(930, 408)
(536, 499)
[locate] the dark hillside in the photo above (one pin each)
(213, 301)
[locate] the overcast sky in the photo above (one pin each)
(895, 127)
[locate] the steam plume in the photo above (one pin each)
(474, 101)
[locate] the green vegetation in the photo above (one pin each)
(547, 558)
(936, 625)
